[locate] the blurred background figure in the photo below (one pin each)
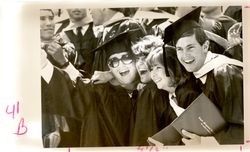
(215, 21)
(155, 19)
(234, 12)
(235, 42)
(79, 30)
(51, 43)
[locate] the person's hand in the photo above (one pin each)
(192, 139)
(234, 33)
(53, 139)
(69, 49)
(100, 77)
(56, 51)
(140, 86)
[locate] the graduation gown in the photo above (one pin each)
(187, 92)
(56, 95)
(153, 113)
(235, 52)
(234, 12)
(224, 86)
(57, 99)
(109, 110)
(222, 25)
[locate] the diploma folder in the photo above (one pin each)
(201, 117)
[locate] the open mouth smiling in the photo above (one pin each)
(188, 61)
(124, 73)
(157, 80)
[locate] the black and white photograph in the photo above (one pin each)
(133, 76)
(141, 76)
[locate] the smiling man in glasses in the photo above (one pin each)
(121, 63)
(110, 113)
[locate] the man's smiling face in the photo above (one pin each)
(190, 53)
(123, 67)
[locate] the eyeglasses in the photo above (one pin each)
(114, 62)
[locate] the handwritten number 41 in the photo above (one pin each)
(21, 128)
(12, 110)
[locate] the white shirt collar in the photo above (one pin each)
(203, 78)
(83, 30)
(177, 109)
(47, 71)
(210, 56)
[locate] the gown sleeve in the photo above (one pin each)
(235, 52)
(153, 113)
(56, 95)
(228, 95)
(58, 99)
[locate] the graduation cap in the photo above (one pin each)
(121, 32)
(174, 31)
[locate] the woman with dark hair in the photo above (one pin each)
(170, 75)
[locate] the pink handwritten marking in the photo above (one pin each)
(151, 148)
(68, 149)
(247, 141)
(240, 147)
(15, 108)
(156, 149)
(21, 129)
(247, 6)
(147, 148)
(140, 148)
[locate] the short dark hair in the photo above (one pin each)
(199, 33)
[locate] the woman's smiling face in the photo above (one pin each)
(142, 68)
(159, 77)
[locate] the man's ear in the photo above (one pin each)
(205, 46)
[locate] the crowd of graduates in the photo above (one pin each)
(116, 76)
